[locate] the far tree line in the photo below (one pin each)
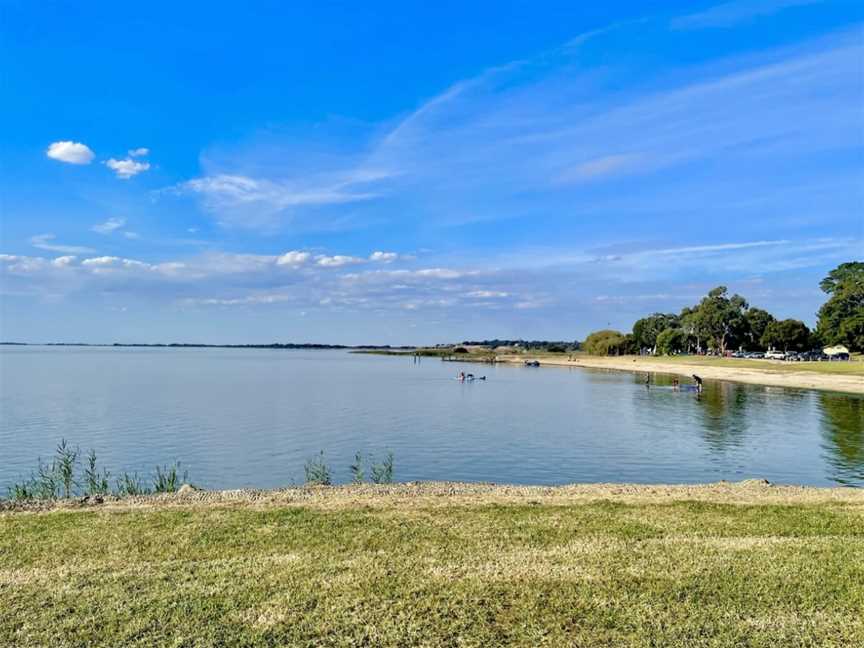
(722, 322)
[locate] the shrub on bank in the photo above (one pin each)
(60, 478)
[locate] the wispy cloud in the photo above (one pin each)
(547, 133)
(44, 242)
(246, 201)
(732, 13)
(109, 226)
(606, 165)
(505, 137)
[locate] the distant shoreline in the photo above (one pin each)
(192, 345)
(772, 374)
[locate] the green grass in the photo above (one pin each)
(601, 573)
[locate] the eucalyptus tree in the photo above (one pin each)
(788, 334)
(646, 330)
(757, 321)
(841, 318)
(720, 319)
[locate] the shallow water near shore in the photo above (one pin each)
(251, 418)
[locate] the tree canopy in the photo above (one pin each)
(671, 340)
(721, 322)
(788, 334)
(646, 330)
(841, 318)
(720, 319)
(605, 342)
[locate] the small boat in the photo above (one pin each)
(532, 363)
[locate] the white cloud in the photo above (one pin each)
(251, 300)
(293, 258)
(109, 265)
(439, 273)
(504, 285)
(109, 225)
(113, 262)
(383, 257)
(488, 294)
(70, 152)
(139, 152)
(531, 304)
(43, 242)
(127, 168)
(64, 261)
(131, 235)
(336, 261)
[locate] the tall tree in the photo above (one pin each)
(841, 318)
(605, 342)
(688, 321)
(788, 334)
(646, 330)
(844, 275)
(757, 321)
(671, 340)
(721, 319)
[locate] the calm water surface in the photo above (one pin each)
(240, 418)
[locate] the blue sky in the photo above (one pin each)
(415, 172)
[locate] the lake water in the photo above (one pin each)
(238, 418)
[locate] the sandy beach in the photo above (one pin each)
(774, 373)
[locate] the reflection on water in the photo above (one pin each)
(723, 407)
(239, 418)
(843, 434)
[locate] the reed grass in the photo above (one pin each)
(59, 478)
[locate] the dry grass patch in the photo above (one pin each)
(440, 571)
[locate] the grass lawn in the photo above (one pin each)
(437, 572)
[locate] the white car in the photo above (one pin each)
(775, 355)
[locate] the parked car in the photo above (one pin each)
(775, 355)
(812, 356)
(756, 355)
